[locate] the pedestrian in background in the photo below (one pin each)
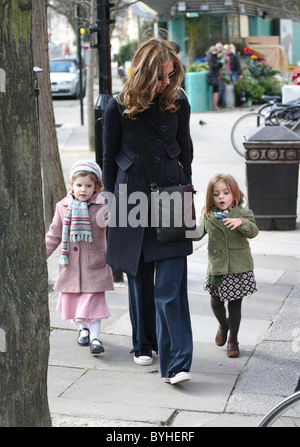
(79, 223)
(214, 65)
(223, 75)
(151, 111)
(230, 274)
(234, 69)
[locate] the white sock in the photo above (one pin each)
(83, 328)
(95, 330)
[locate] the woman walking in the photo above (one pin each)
(151, 111)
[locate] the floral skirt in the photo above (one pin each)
(233, 286)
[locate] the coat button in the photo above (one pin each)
(75, 248)
(135, 176)
(156, 159)
(138, 158)
(163, 128)
(158, 142)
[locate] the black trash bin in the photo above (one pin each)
(272, 162)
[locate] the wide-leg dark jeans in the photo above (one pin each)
(159, 309)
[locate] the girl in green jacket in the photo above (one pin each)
(230, 274)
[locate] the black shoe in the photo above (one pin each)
(96, 348)
(83, 341)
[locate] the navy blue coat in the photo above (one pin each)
(166, 135)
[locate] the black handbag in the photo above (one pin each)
(173, 212)
(172, 207)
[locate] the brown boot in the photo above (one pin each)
(233, 349)
(221, 336)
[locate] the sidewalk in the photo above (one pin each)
(109, 390)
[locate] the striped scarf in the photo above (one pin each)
(221, 215)
(76, 223)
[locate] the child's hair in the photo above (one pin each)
(237, 194)
(93, 177)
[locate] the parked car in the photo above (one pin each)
(64, 77)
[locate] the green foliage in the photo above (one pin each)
(198, 67)
(251, 86)
(271, 85)
(259, 78)
(127, 51)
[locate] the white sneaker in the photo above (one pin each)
(141, 359)
(180, 377)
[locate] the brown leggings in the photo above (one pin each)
(235, 315)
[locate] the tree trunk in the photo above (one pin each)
(24, 315)
(54, 188)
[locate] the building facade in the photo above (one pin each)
(197, 24)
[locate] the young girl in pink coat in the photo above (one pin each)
(79, 224)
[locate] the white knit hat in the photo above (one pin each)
(86, 165)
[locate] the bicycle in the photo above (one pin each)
(271, 113)
(284, 413)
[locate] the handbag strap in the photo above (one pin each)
(148, 162)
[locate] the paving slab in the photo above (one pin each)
(203, 393)
(202, 419)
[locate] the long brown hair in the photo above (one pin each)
(141, 87)
(231, 183)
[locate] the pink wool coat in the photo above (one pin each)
(87, 271)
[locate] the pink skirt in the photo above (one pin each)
(82, 307)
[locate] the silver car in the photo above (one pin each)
(64, 77)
